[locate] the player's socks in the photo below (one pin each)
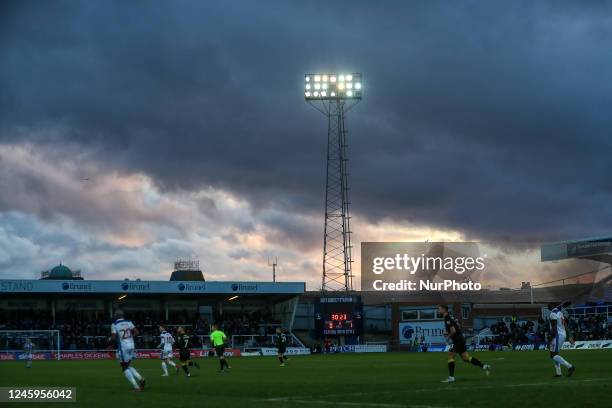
(185, 369)
(476, 362)
(281, 360)
(164, 368)
(558, 372)
(172, 363)
(136, 374)
(560, 360)
(226, 363)
(131, 379)
(221, 364)
(139, 378)
(451, 368)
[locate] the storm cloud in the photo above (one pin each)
(489, 119)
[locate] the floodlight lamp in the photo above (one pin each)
(332, 86)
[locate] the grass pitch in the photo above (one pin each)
(389, 380)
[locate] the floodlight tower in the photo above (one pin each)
(334, 94)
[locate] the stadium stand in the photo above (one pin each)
(82, 331)
(511, 331)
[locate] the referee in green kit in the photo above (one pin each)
(218, 339)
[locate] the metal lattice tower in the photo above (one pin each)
(337, 260)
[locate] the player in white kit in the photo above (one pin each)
(122, 334)
(558, 333)
(27, 352)
(165, 344)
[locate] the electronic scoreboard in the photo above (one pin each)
(339, 316)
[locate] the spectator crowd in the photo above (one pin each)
(91, 331)
(513, 332)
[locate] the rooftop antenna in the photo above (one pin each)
(274, 264)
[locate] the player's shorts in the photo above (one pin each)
(166, 354)
(219, 351)
(282, 349)
(184, 355)
(459, 346)
(557, 343)
(126, 354)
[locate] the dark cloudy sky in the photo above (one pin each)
(480, 120)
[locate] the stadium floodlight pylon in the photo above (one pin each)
(334, 94)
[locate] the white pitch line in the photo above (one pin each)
(453, 387)
(352, 404)
(547, 383)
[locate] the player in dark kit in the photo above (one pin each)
(281, 345)
(454, 334)
(183, 343)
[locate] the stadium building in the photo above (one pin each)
(82, 309)
(78, 311)
(403, 320)
(399, 320)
